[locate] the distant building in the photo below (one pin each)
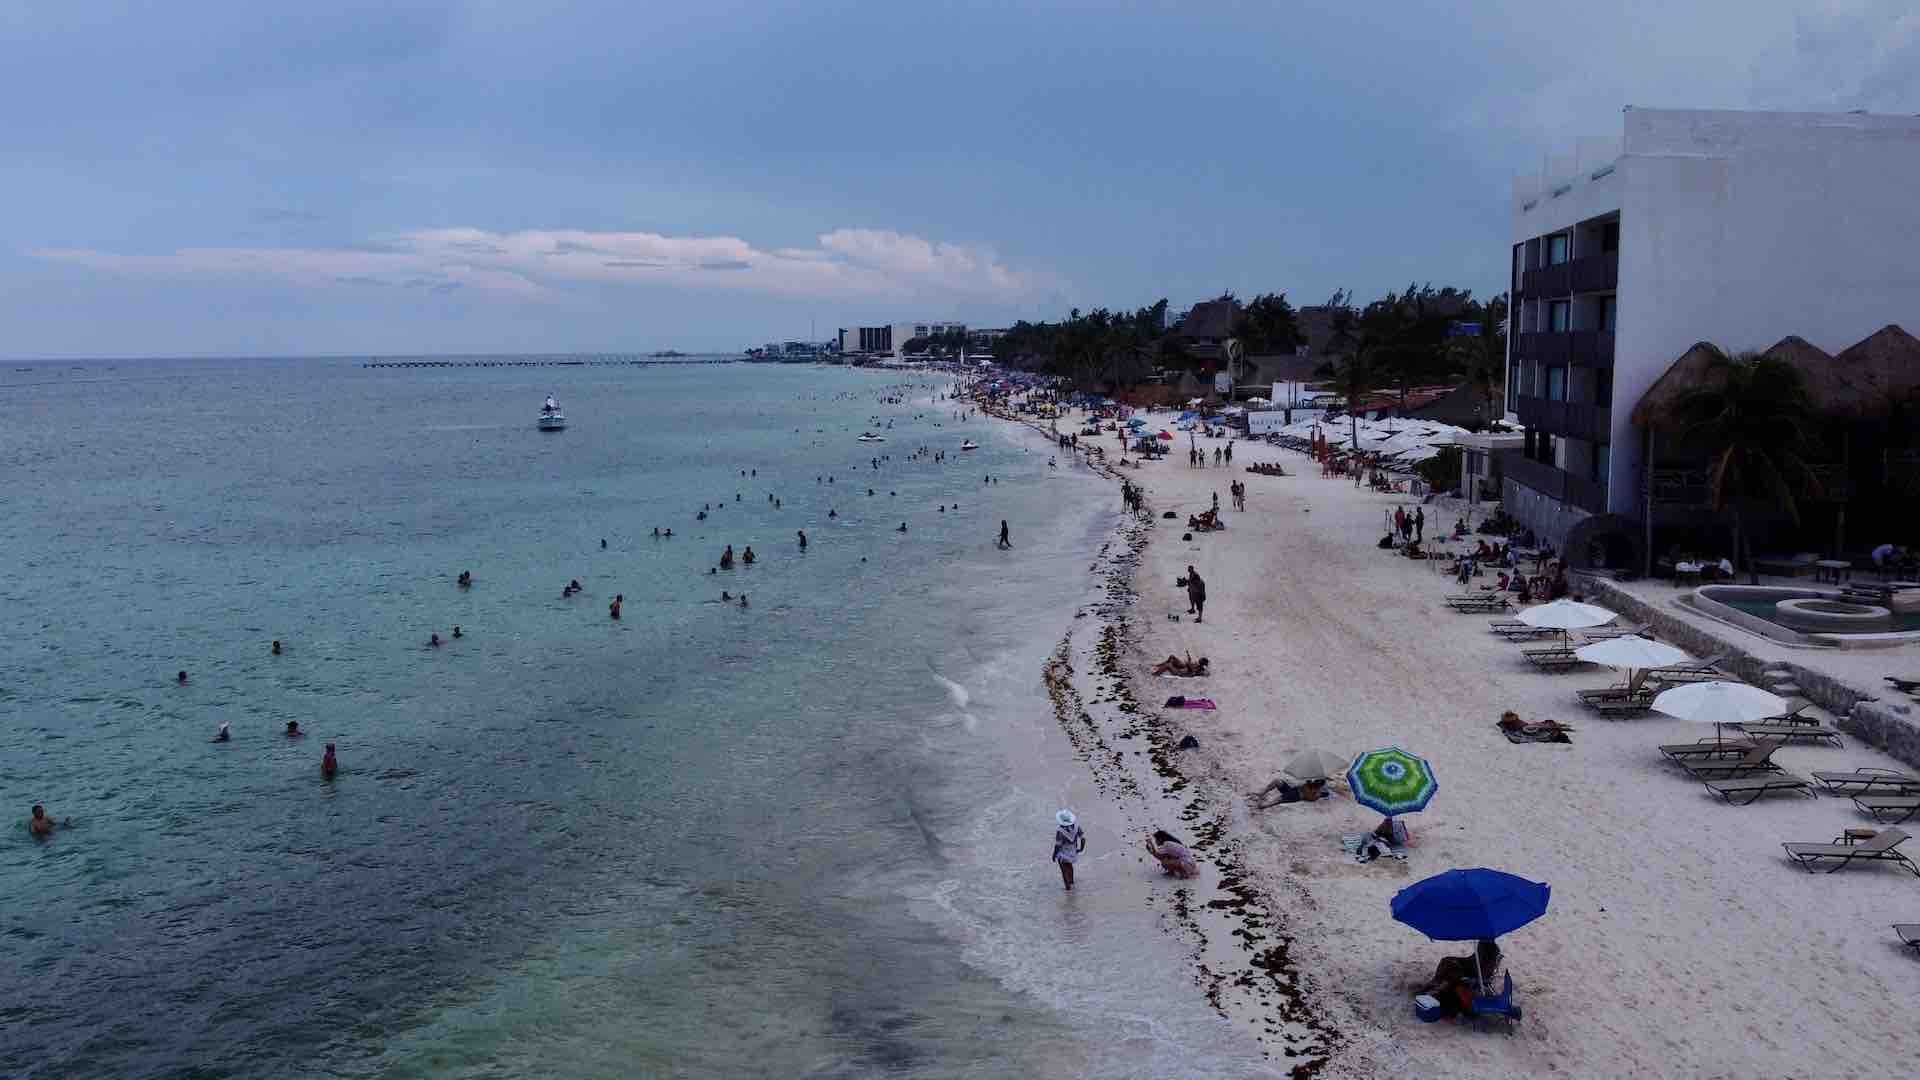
(1737, 228)
(866, 339)
(905, 332)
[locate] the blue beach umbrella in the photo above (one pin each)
(1391, 781)
(1470, 905)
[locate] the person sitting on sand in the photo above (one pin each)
(1456, 979)
(1185, 669)
(1311, 791)
(1174, 857)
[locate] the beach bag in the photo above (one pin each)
(1176, 701)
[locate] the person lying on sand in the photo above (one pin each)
(1186, 669)
(1311, 791)
(1511, 722)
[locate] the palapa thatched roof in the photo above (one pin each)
(1816, 368)
(1876, 374)
(1692, 370)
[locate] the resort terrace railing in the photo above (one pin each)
(1555, 483)
(1592, 273)
(1581, 348)
(1570, 418)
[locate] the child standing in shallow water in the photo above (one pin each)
(1068, 843)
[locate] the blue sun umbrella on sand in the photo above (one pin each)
(1470, 905)
(1391, 781)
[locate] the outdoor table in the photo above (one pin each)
(1686, 573)
(1831, 570)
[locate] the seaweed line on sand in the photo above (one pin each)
(1267, 981)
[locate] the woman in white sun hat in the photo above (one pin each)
(1068, 843)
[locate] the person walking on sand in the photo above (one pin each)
(1004, 542)
(1196, 594)
(1419, 524)
(1068, 843)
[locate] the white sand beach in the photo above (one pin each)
(1680, 940)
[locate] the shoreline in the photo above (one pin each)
(1237, 941)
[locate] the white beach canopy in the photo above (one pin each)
(1317, 765)
(1631, 652)
(1566, 615)
(1719, 702)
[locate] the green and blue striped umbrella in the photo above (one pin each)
(1391, 781)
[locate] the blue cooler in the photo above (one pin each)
(1426, 1007)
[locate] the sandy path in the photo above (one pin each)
(1680, 942)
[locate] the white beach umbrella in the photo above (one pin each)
(1718, 703)
(1566, 615)
(1631, 652)
(1317, 765)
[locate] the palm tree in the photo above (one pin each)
(1757, 428)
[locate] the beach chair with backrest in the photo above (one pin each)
(1868, 779)
(1697, 671)
(1889, 809)
(1496, 1006)
(1796, 713)
(1629, 705)
(1881, 847)
(1758, 758)
(1558, 657)
(1607, 633)
(1515, 630)
(1630, 688)
(1792, 732)
(1706, 749)
(1742, 790)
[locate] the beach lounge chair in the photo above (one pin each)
(1868, 779)
(1742, 790)
(1796, 713)
(1607, 633)
(1515, 630)
(1706, 750)
(1552, 657)
(1909, 934)
(1792, 732)
(1697, 671)
(1478, 605)
(1889, 809)
(1846, 850)
(1616, 708)
(1758, 758)
(1635, 685)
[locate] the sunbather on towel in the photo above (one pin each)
(1510, 721)
(1186, 669)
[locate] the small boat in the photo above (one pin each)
(969, 445)
(551, 418)
(871, 437)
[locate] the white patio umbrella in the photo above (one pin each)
(1631, 652)
(1566, 614)
(1257, 400)
(1718, 703)
(1317, 765)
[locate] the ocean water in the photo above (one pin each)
(807, 838)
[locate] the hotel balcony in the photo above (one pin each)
(1567, 418)
(1580, 348)
(1556, 483)
(1592, 273)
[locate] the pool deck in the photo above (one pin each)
(1848, 683)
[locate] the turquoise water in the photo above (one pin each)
(1899, 622)
(803, 839)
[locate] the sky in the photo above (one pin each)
(246, 177)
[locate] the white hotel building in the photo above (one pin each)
(1737, 228)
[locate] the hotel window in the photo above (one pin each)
(1556, 384)
(1602, 455)
(1556, 249)
(1608, 308)
(1603, 388)
(1558, 315)
(1609, 238)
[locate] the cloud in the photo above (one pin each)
(541, 264)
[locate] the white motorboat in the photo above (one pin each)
(551, 418)
(969, 445)
(871, 437)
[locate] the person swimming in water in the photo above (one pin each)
(328, 764)
(743, 599)
(1005, 543)
(701, 516)
(39, 825)
(803, 539)
(603, 543)
(276, 646)
(726, 558)
(293, 729)
(724, 598)
(669, 532)
(613, 609)
(831, 514)
(181, 678)
(747, 556)
(456, 630)
(434, 640)
(902, 528)
(223, 735)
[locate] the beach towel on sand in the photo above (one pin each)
(1179, 702)
(1357, 847)
(1537, 735)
